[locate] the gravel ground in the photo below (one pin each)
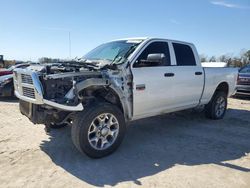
(176, 150)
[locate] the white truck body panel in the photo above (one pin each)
(184, 90)
(215, 76)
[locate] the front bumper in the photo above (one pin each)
(29, 88)
(243, 90)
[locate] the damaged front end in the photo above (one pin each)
(48, 92)
(52, 93)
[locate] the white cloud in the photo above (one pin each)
(173, 21)
(229, 5)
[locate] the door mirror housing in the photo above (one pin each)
(152, 60)
(156, 58)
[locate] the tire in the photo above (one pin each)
(93, 131)
(57, 126)
(217, 107)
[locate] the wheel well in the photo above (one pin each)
(101, 93)
(223, 87)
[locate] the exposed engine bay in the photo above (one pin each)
(76, 83)
(59, 80)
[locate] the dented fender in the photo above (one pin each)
(106, 83)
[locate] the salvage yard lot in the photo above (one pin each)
(176, 150)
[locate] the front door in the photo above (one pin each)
(152, 83)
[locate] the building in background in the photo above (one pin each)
(214, 64)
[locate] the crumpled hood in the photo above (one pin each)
(38, 67)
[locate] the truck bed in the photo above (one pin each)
(214, 76)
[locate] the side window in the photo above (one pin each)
(184, 55)
(155, 54)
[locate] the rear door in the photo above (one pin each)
(188, 76)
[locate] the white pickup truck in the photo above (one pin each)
(117, 82)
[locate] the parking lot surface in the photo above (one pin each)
(175, 150)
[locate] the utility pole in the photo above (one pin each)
(69, 46)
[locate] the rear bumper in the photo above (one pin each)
(243, 90)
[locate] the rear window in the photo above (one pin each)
(184, 55)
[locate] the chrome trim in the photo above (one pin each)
(243, 90)
(79, 107)
(27, 99)
(26, 79)
(242, 93)
(38, 91)
(35, 85)
(243, 87)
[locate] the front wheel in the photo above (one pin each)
(98, 130)
(216, 108)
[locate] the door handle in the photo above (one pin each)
(140, 87)
(198, 73)
(169, 74)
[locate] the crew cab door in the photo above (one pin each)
(188, 76)
(152, 82)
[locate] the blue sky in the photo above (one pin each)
(30, 29)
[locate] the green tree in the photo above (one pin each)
(247, 56)
(203, 58)
(223, 58)
(212, 59)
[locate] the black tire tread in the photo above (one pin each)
(78, 126)
(209, 109)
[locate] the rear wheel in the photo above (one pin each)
(216, 108)
(98, 130)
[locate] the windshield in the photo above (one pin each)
(113, 51)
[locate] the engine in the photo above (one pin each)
(58, 80)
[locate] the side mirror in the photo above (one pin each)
(156, 58)
(152, 60)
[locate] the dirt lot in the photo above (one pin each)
(175, 150)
